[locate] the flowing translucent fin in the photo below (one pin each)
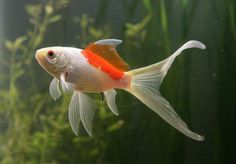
(73, 113)
(145, 84)
(190, 44)
(87, 109)
(65, 85)
(63, 81)
(54, 89)
(111, 100)
(112, 42)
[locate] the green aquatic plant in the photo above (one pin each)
(87, 31)
(36, 129)
(137, 31)
(20, 104)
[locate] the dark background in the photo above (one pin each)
(201, 85)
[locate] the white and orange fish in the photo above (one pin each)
(98, 68)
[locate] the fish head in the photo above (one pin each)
(52, 59)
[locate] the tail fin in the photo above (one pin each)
(145, 83)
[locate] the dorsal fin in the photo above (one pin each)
(112, 42)
(108, 53)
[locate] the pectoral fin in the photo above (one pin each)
(65, 84)
(54, 89)
(111, 100)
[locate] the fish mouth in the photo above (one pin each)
(37, 56)
(40, 57)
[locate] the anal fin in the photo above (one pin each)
(111, 100)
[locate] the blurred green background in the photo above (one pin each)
(200, 85)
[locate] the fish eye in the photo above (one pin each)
(51, 54)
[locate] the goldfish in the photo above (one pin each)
(98, 68)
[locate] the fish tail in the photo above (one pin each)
(145, 83)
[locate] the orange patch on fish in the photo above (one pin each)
(102, 64)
